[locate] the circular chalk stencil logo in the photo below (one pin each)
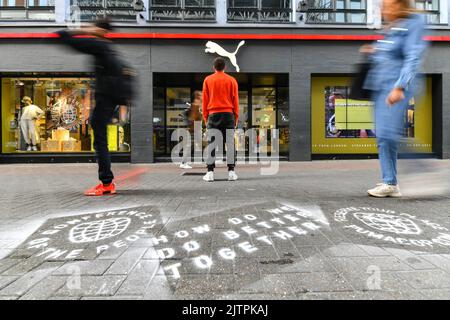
(88, 235)
(388, 222)
(98, 230)
(390, 226)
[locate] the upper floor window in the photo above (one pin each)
(183, 10)
(334, 11)
(257, 11)
(41, 10)
(117, 10)
(431, 10)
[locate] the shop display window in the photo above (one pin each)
(51, 115)
(348, 118)
(341, 125)
(263, 102)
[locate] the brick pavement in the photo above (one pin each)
(172, 236)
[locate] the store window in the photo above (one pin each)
(345, 126)
(260, 11)
(431, 10)
(41, 10)
(117, 10)
(334, 11)
(51, 115)
(183, 10)
(263, 102)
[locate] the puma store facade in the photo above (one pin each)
(295, 80)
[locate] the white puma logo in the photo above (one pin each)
(212, 47)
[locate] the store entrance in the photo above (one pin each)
(263, 100)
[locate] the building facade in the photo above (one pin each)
(293, 60)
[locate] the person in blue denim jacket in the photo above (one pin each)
(392, 78)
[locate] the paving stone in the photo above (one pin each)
(23, 267)
(438, 260)
(126, 261)
(319, 281)
(278, 284)
(160, 288)
(105, 285)
(211, 283)
(139, 278)
(45, 288)
(415, 261)
(90, 267)
(27, 281)
(436, 294)
(6, 264)
(113, 298)
(426, 279)
(344, 250)
(5, 280)
(374, 251)
(8, 297)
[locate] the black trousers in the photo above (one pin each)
(100, 118)
(222, 122)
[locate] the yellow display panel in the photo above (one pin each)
(112, 135)
(344, 126)
(8, 121)
(353, 114)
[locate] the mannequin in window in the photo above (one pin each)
(30, 114)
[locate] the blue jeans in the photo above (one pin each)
(387, 153)
(389, 125)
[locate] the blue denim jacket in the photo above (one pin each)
(398, 56)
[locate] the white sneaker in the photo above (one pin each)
(232, 176)
(34, 148)
(383, 190)
(209, 177)
(185, 166)
(29, 148)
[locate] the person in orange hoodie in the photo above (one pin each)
(220, 110)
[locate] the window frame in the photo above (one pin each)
(260, 10)
(182, 8)
(103, 7)
(27, 8)
(345, 11)
(431, 12)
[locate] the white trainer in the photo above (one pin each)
(34, 148)
(209, 177)
(383, 190)
(29, 148)
(232, 176)
(185, 165)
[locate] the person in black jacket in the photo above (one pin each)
(92, 40)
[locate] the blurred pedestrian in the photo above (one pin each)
(192, 115)
(221, 113)
(395, 61)
(113, 87)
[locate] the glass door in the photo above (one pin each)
(177, 104)
(264, 102)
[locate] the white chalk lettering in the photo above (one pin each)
(247, 247)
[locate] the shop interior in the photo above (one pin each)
(263, 99)
(51, 115)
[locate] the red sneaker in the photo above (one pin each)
(101, 190)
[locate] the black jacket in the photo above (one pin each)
(105, 59)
